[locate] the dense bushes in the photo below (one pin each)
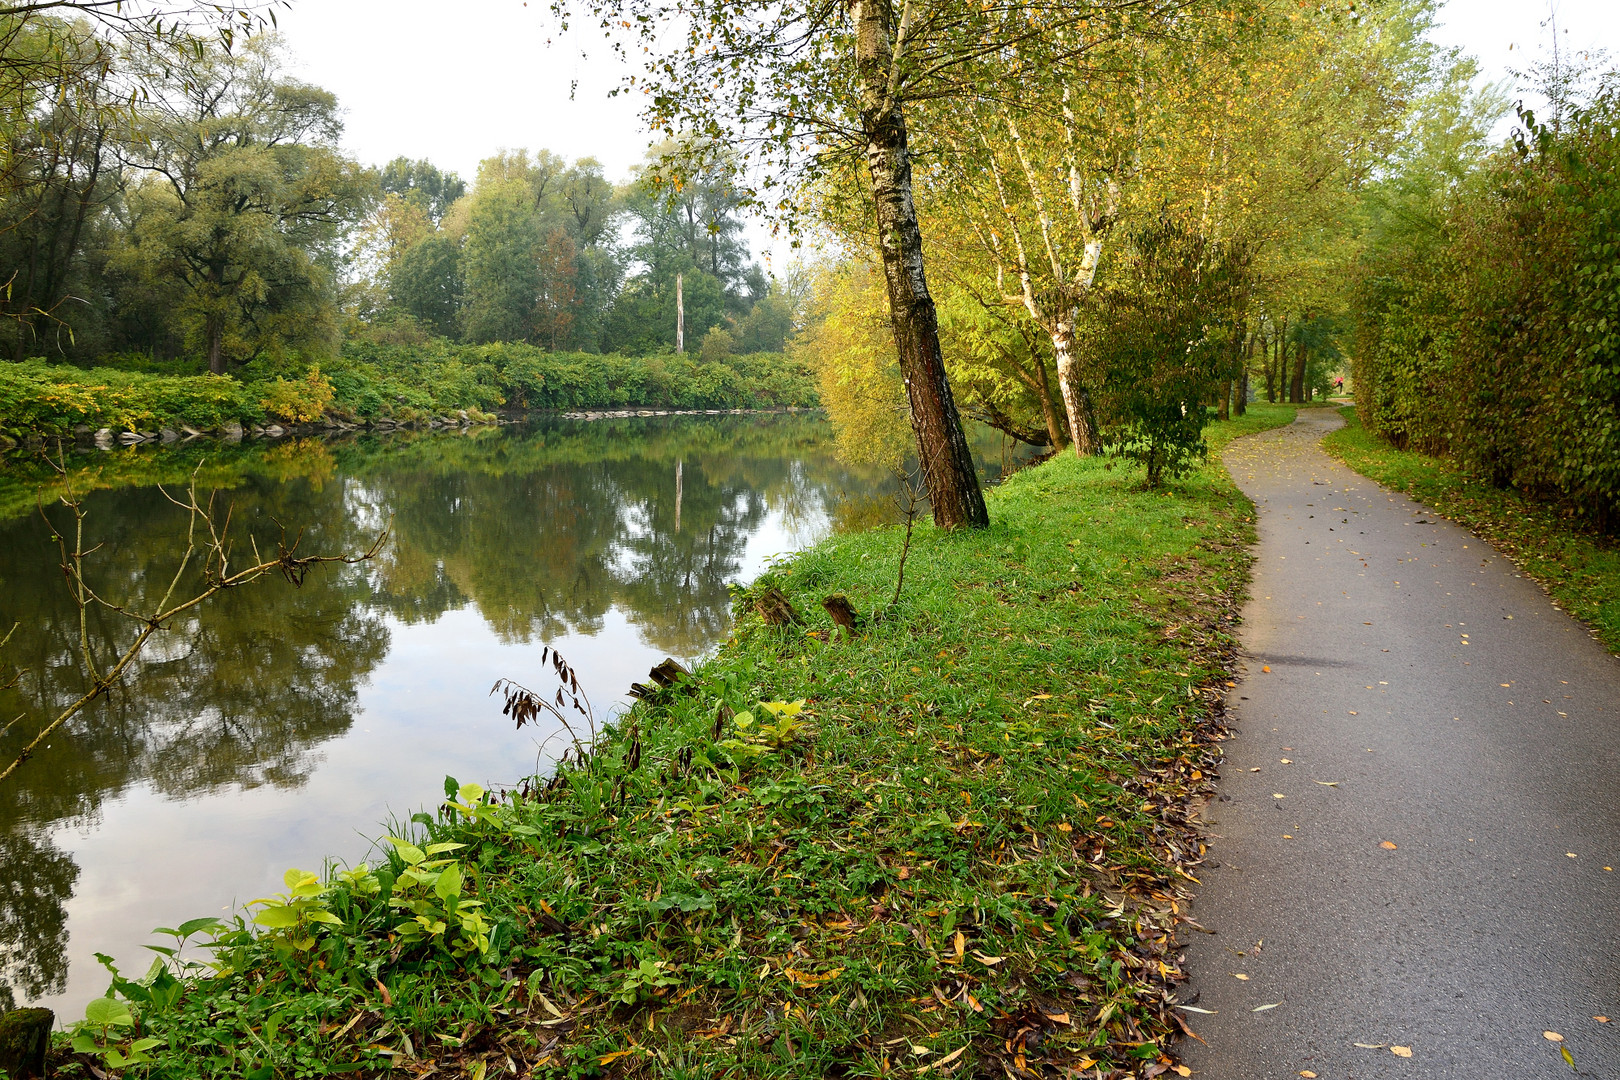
(1494, 334)
(406, 384)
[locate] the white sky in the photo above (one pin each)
(453, 82)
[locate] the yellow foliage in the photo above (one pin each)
(299, 401)
(849, 342)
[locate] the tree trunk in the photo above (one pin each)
(942, 446)
(216, 344)
(1076, 399)
(1243, 393)
(1049, 413)
(1296, 387)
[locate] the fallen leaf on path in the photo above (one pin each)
(1326, 783)
(1274, 795)
(1401, 1051)
(1286, 761)
(1238, 975)
(608, 1059)
(1254, 770)
(1387, 846)
(1267, 670)
(1552, 1036)
(1601, 1019)
(1263, 1008)
(1373, 1046)
(1288, 836)
(1181, 1070)
(1306, 1073)
(1196, 1009)
(1569, 1059)
(1571, 854)
(1353, 712)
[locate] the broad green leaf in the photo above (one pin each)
(449, 883)
(409, 852)
(108, 1012)
(321, 915)
(295, 878)
(192, 926)
(277, 918)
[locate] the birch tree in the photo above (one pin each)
(799, 90)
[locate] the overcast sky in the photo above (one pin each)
(453, 82)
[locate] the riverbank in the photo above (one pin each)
(438, 384)
(965, 852)
(1579, 568)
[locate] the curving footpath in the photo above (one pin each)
(1410, 851)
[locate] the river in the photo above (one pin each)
(279, 726)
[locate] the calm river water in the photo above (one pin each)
(280, 726)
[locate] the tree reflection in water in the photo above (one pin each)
(543, 530)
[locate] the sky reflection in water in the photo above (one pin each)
(281, 726)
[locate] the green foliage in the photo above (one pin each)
(51, 399)
(1488, 332)
(239, 193)
(429, 891)
(1161, 333)
(372, 380)
(426, 283)
(499, 265)
(978, 808)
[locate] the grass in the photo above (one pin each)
(966, 856)
(1577, 566)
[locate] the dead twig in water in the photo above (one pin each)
(207, 537)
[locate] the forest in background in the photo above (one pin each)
(171, 212)
(1213, 204)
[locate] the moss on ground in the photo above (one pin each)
(965, 857)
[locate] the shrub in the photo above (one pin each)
(298, 401)
(1492, 335)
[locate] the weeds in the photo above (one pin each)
(954, 845)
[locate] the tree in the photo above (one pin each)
(1161, 333)
(421, 183)
(426, 283)
(61, 180)
(499, 265)
(242, 200)
(799, 91)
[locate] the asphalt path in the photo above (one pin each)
(1411, 846)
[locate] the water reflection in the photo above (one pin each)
(233, 750)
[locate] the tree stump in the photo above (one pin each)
(25, 1034)
(843, 613)
(664, 676)
(774, 608)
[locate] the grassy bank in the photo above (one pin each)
(964, 856)
(371, 383)
(1578, 567)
